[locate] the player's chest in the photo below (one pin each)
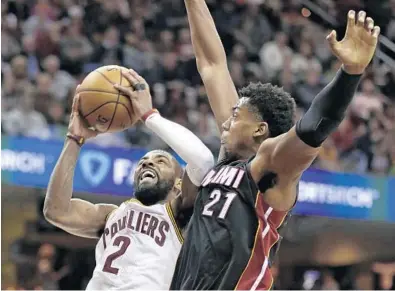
(221, 191)
(142, 227)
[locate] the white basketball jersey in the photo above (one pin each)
(138, 249)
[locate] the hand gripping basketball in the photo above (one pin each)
(77, 126)
(140, 97)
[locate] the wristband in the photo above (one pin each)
(78, 139)
(148, 114)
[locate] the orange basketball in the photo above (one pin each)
(102, 106)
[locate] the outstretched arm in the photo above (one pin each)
(75, 216)
(188, 146)
(191, 149)
(211, 61)
(289, 154)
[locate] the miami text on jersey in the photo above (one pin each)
(226, 175)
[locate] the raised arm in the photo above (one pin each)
(211, 61)
(288, 155)
(187, 145)
(75, 216)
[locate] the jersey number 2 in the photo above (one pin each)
(215, 196)
(122, 241)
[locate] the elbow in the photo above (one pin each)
(207, 161)
(49, 215)
(208, 68)
(204, 163)
(52, 215)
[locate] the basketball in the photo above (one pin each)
(102, 106)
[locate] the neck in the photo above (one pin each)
(242, 154)
(250, 152)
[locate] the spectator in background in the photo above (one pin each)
(15, 80)
(19, 69)
(304, 60)
(390, 33)
(41, 18)
(166, 42)
(205, 125)
(328, 157)
(307, 89)
(43, 95)
(33, 62)
(331, 72)
(61, 81)
(367, 101)
(254, 28)
(108, 53)
(19, 8)
(184, 45)
(136, 54)
(24, 120)
(349, 130)
(170, 68)
(226, 20)
(55, 43)
(389, 87)
(237, 73)
(75, 49)
(47, 40)
(9, 43)
(273, 54)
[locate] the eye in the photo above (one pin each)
(161, 161)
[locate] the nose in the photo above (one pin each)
(225, 125)
(147, 163)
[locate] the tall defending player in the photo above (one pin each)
(245, 198)
(140, 240)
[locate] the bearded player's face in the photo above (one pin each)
(154, 177)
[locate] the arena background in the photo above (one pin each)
(342, 232)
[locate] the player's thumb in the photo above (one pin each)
(75, 106)
(332, 39)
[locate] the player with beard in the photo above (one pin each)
(140, 240)
(246, 197)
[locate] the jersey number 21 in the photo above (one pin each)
(215, 197)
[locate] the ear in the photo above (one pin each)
(177, 184)
(262, 130)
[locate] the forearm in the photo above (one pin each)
(205, 39)
(327, 109)
(211, 61)
(60, 187)
(187, 145)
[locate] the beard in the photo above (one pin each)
(152, 194)
(231, 156)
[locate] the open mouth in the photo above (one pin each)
(148, 175)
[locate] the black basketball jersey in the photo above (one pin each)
(231, 233)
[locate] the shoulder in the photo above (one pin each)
(124, 205)
(176, 221)
(181, 212)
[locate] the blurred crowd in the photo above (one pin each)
(47, 267)
(48, 46)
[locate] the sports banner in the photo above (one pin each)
(29, 162)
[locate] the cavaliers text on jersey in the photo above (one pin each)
(138, 248)
(231, 234)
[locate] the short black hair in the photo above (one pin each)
(272, 104)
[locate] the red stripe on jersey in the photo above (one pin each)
(257, 274)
